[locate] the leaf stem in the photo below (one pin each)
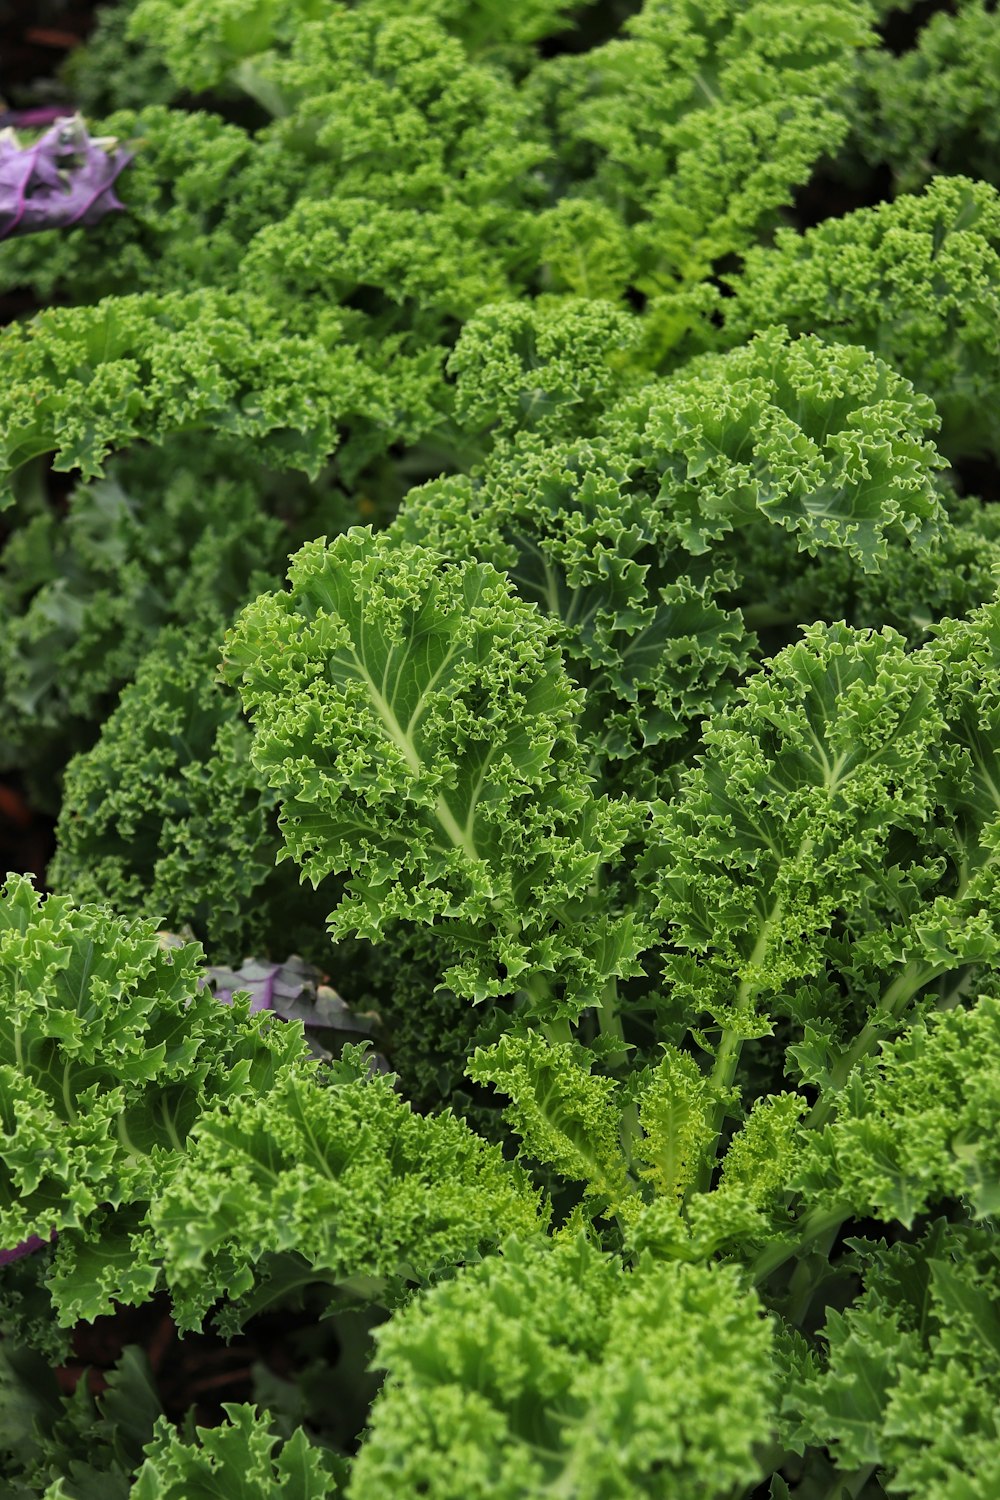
(609, 1022)
(817, 1222)
(730, 1046)
(902, 990)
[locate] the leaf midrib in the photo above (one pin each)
(461, 838)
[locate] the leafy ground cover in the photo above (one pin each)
(500, 677)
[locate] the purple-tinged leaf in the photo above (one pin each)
(33, 119)
(293, 991)
(26, 1247)
(270, 986)
(64, 178)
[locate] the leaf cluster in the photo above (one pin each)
(530, 568)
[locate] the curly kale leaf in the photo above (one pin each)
(377, 103)
(567, 1116)
(116, 1069)
(340, 1185)
(911, 1374)
(934, 108)
(146, 367)
(824, 442)
(335, 254)
(551, 370)
(695, 126)
(783, 829)
(242, 1459)
(84, 594)
(552, 1371)
(417, 723)
(638, 541)
(920, 1128)
(109, 1052)
(831, 859)
(73, 1446)
(644, 1148)
(920, 581)
(630, 1141)
(206, 45)
(165, 817)
(916, 280)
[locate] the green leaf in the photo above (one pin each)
(236, 1461)
(920, 1128)
(417, 723)
(110, 1050)
(566, 1117)
(553, 1371)
(783, 829)
(915, 279)
(341, 1184)
(676, 1121)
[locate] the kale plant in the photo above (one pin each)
(515, 672)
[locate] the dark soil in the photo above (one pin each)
(34, 40)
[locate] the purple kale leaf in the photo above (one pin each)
(66, 177)
(26, 1247)
(270, 986)
(294, 992)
